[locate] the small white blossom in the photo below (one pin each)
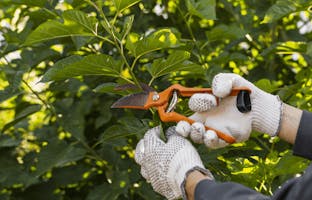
(295, 56)
(303, 15)
(160, 11)
(244, 45)
(305, 24)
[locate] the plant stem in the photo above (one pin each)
(103, 38)
(46, 104)
(117, 43)
(151, 81)
(189, 28)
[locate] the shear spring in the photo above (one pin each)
(173, 102)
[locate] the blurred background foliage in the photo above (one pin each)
(61, 59)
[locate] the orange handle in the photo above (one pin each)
(162, 102)
(187, 92)
(165, 95)
(175, 117)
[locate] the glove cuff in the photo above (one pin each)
(267, 113)
(202, 170)
(178, 169)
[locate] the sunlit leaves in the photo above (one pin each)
(25, 112)
(202, 8)
(90, 65)
(267, 85)
(176, 62)
(83, 147)
(25, 2)
(123, 4)
(52, 30)
(288, 160)
(76, 23)
(161, 39)
(223, 31)
(284, 7)
(127, 27)
(79, 17)
(291, 46)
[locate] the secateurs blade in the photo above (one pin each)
(160, 100)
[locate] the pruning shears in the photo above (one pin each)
(150, 98)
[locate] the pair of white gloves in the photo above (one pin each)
(166, 165)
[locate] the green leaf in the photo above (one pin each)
(161, 39)
(282, 8)
(290, 47)
(80, 18)
(266, 85)
(119, 185)
(115, 134)
(309, 49)
(177, 61)
(53, 73)
(43, 190)
(127, 26)
(53, 30)
(76, 23)
(134, 125)
(205, 9)
(8, 141)
(69, 174)
(57, 153)
(73, 120)
(7, 93)
(294, 165)
(108, 88)
(124, 4)
(29, 110)
(90, 65)
(14, 86)
(103, 192)
(13, 173)
(38, 3)
(80, 41)
(33, 57)
(223, 31)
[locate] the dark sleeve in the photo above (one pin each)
(294, 189)
(303, 142)
(211, 190)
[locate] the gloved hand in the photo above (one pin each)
(265, 114)
(165, 165)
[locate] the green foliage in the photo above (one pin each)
(204, 8)
(90, 65)
(61, 60)
(76, 23)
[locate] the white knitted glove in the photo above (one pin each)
(265, 114)
(165, 165)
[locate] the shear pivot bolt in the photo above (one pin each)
(155, 96)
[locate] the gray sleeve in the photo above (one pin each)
(296, 188)
(303, 142)
(211, 190)
(293, 189)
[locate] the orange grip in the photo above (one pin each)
(229, 139)
(175, 117)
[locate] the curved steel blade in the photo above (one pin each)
(136, 101)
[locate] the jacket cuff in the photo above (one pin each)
(303, 140)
